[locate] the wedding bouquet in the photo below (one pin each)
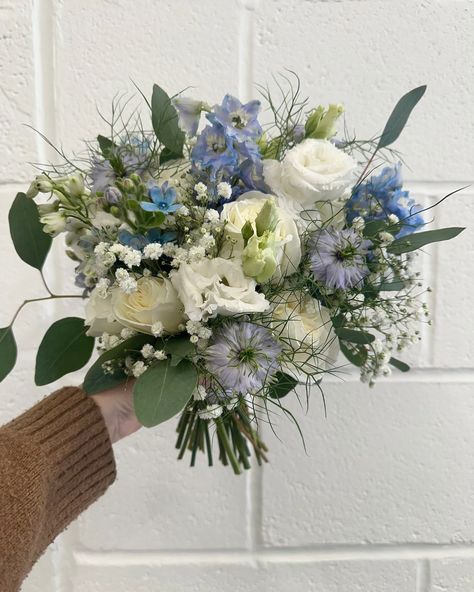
(226, 259)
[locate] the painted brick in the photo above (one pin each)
(367, 54)
(452, 575)
(379, 469)
(159, 502)
(326, 577)
(176, 44)
(17, 144)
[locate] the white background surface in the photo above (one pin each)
(384, 498)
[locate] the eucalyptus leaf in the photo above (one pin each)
(31, 243)
(355, 355)
(393, 286)
(354, 336)
(399, 117)
(64, 348)
(167, 155)
(97, 380)
(165, 122)
(106, 146)
(163, 391)
(284, 384)
(178, 348)
(399, 365)
(8, 352)
(417, 240)
(373, 227)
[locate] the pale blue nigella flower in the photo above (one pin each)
(243, 357)
(239, 120)
(338, 257)
(163, 199)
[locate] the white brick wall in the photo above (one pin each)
(383, 499)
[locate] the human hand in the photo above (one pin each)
(116, 406)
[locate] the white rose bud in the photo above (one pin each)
(312, 171)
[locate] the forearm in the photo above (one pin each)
(55, 460)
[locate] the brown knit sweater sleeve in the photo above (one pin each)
(55, 460)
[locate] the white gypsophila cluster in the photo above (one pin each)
(138, 368)
(201, 192)
(395, 322)
(107, 341)
(197, 331)
(126, 333)
(157, 329)
(153, 251)
(102, 288)
(147, 351)
(224, 190)
(358, 223)
(104, 258)
(197, 247)
(131, 257)
(125, 281)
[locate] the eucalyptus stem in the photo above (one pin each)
(43, 298)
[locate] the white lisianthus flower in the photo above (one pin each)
(100, 316)
(305, 326)
(154, 301)
(314, 170)
(216, 286)
(245, 209)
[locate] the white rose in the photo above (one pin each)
(155, 300)
(216, 286)
(100, 316)
(314, 170)
(246, 208)
(305, 326)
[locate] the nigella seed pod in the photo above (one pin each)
(113, 195)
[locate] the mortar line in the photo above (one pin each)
(423, 576)
(421, 552)
(43, 59)
(246, 48)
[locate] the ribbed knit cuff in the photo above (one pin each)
(70, 432)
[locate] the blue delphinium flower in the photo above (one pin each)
(250, 174)
(242, 357)
(163, 199)
(239, 120)
(214, 149)
(189, 114)
(140, 241)
(338, 257)
(383, 195)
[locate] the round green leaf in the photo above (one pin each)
(8, 352)
(65, 348)
(165, 122)
(163, 391)
(31, 243)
